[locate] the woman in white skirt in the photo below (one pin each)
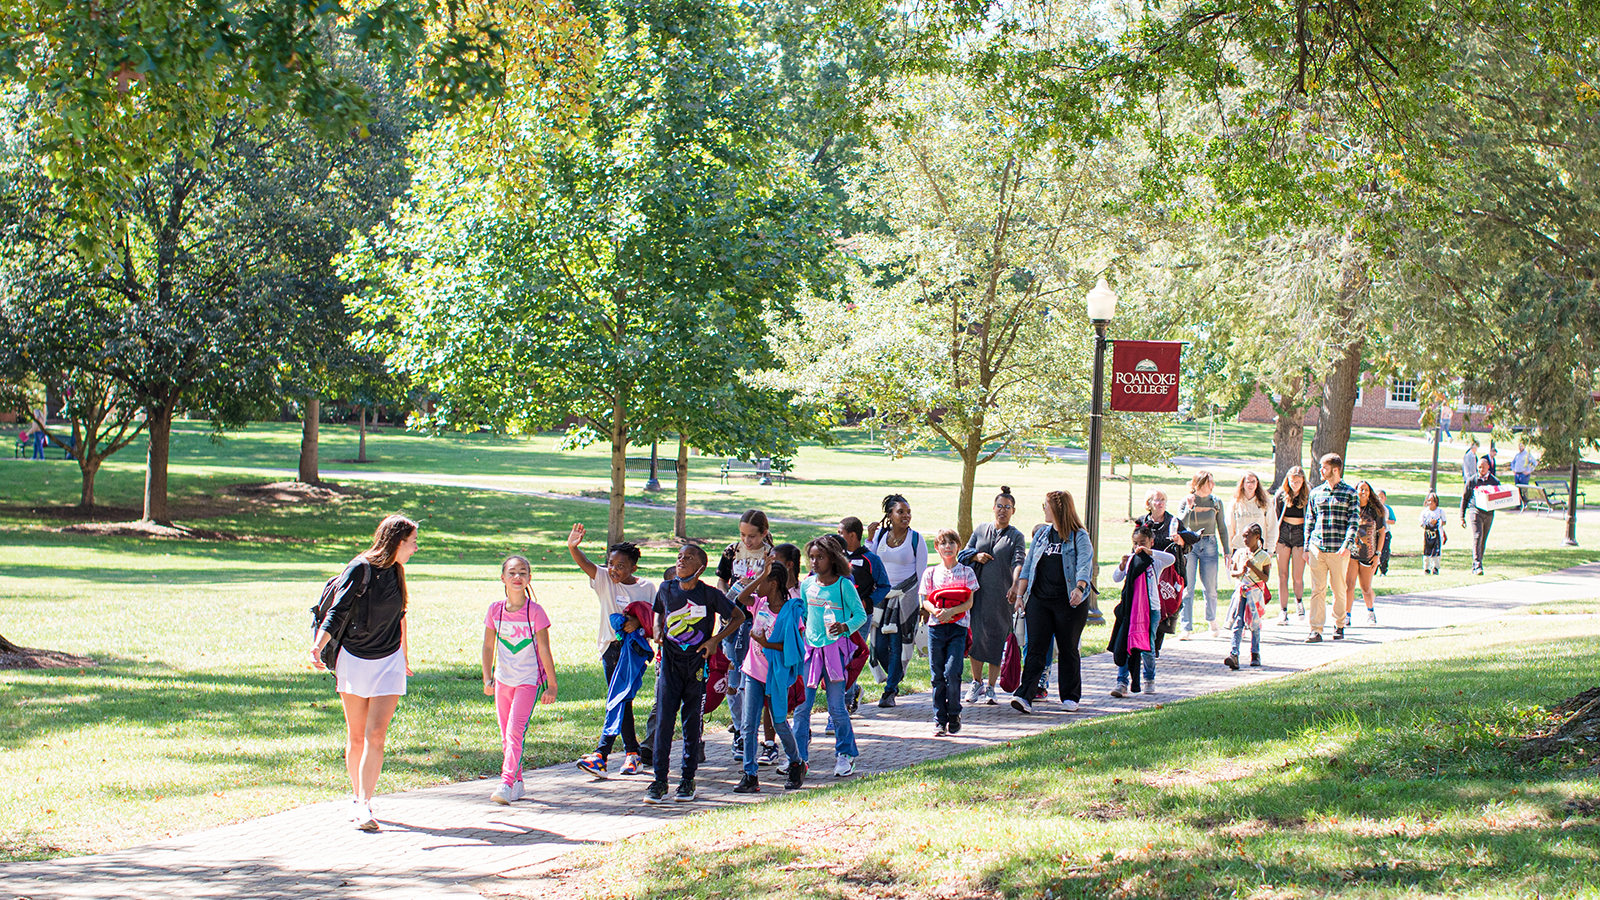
(371, 670)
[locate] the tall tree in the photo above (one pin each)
(540, 278)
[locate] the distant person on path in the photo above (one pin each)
(1137, 618)
(1293, 496)
(687, 612)
(833, 612)
(1250, 566)
(904, 555)
(1493, 456)
(34, 434)
(996, 552)
(1433, 535)
(1523, 464)
(1371, 531)
(1054, 592)
(1169, 536)
(1202, 513)
(518, 671)
(741, 562)
(371, 668)
(948, 589)
(1251, 506)
(616, 587)
(777, 651)
(1469, 462)
(1334, 513)
(1482, 519)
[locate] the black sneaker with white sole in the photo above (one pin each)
(1021, 704)
(656, 793)
(686, 792)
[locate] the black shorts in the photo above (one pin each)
(1292, 535)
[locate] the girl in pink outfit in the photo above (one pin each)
(516, 642)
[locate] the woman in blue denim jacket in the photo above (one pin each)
(1054, 590)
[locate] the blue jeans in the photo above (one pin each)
(734, 647)
(1148, 663)
(1202, 561)
(844, 737)
(754, 700)
(1238, 637)
(947, 655)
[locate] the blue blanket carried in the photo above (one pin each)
(628, 676)
(783, 666)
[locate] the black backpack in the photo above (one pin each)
(330, 651)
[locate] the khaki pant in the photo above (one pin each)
(1327, 570)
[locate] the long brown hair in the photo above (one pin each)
(1289, 494)
(1064, 511)
(386, 541)
(1260, 496)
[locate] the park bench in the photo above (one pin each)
(665, 467)
(24, 447)
(761, 470)
(1555, 492)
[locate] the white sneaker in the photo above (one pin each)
(1150, 688)
(1184, 636)
(1372, 617)
(502, 794)
(518, 791)
(975, 693)
(355, 813)
(1214, 631)
(364, 819)
(844, 766)
(1300, 607)
(988, 695)
(1069, 705)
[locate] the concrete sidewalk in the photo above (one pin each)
(436, 841)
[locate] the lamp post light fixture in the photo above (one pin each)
(1101, 304)
(653, 484)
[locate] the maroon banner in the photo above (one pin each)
(1144, 376)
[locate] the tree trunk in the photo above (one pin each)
(361, 452)
(1340, 386)
(680, 517)
(969, 480)
(308, 441)
(89, 468)
(159, 424)
(619, 469)
(1288, 443)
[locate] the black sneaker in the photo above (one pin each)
(939, 730)
(797, 776)
(769, 755)
(1338, 634)
(685, 792)
(955, 725)
(738, 748)
(656, 793)
(887, 700)
(853, 702)
(1231, 662)
(1314, 639)
(1255, 660)
(748, 785)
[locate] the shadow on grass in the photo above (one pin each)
(1380, 776)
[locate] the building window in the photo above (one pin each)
(1403, 393)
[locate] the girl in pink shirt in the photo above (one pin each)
(516, 643)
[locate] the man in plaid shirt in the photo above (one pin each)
(1330, 534)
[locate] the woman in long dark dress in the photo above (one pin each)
(996, 552)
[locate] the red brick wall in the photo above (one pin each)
(1371, 413)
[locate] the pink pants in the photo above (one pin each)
(514, 705)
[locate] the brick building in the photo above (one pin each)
(1378, 405)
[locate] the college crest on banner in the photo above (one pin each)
(1144, 376)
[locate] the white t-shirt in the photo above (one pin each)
(614, 598)
(937, 576)
(516, 652)
(904, 561)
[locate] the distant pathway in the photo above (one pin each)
(438, 842)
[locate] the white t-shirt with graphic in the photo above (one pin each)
(937, 576)
(614, 598)
(516, 650)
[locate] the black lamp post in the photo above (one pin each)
(1102, 308)
(652, 484)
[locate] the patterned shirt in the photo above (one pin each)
(1332, 519)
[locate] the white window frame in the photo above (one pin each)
(1392, 402)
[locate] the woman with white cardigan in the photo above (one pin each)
(1252, 506)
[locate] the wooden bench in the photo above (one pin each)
(1556, 492)
(761, 470)
(24, 447)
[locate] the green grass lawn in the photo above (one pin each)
(1387, 775)
(203, 712)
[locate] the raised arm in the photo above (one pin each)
(574, 538)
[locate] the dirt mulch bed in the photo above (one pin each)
(158, 531)
(286, 493)
(14, 657)
(1572, 734)
(74, 513)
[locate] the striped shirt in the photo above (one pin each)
(1332, 518)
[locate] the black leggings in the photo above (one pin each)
(1064, 622)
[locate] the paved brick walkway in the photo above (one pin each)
(435, 842)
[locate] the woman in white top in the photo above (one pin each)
(904, 556)
(1252, 506)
